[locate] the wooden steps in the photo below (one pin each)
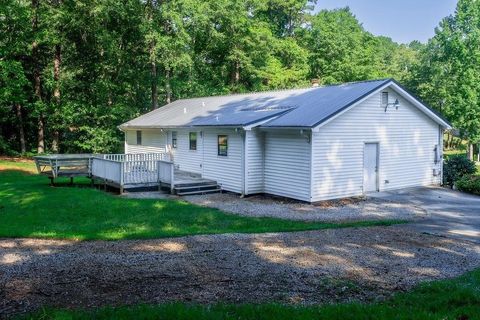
(193, 188)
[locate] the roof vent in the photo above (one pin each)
(184, 110)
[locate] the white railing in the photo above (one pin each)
(107, 169)
(127, 170)
(135, 172)
(137, 156)
(166, 173)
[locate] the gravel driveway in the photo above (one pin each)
(299, 267)
(352, 209)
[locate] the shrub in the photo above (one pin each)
(470, 184)
(455, 167)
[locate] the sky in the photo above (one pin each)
(401, 20)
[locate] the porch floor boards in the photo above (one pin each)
(184, 178)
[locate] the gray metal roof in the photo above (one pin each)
(285, 108)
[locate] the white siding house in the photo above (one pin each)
(406, 140)
(308, 144)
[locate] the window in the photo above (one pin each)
(139, 137)
(193, 140)
(174, 139)
(384, 98)
(222, 145)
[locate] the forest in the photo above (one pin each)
(71, 71)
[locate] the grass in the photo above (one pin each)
(29, 207)
(457, 298)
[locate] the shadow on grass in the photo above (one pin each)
(33, 208)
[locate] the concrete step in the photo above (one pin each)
(197, 186)
(189, 193)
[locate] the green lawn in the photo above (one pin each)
(29, 207)
(457, 298)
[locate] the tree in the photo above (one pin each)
(167, 42)
(340, 49)
(14, 42)
(448, 76)
(71, 71)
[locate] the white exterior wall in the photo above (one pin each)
(287, 164)
(406, 137)
(186, 159)
(153, 141)
(254, 144)
(226, 170)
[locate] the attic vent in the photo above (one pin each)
(267, 108)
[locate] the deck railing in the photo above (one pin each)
(133, 169)
(136, 172)
(108, 170)
(166, 173)
(136, 156)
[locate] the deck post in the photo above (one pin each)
(172, 179)
(122, 172)
(52, 182)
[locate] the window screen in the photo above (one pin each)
(139, 137)
(174, 139)
(193, 140)
(223, 145)
(384, 98)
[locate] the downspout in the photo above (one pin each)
(244, 162)
(311, 166)
(440, 146)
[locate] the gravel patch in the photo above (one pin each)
(336, 265)
(353, 209)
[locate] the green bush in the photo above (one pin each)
(470, 184)
(455, 167)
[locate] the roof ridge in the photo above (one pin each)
(286, 89)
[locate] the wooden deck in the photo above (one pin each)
(126, 171)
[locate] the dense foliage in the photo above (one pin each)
(455, 167)
(71, 71)
(469, 183)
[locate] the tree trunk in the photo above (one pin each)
(56, 92)
(470, 151)
(236, 73)
(21, 130)
(447, 141)
(154, 85)
(168, 91)
(37, 79)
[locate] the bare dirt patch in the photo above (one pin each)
(336, 265)
(350, 209)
